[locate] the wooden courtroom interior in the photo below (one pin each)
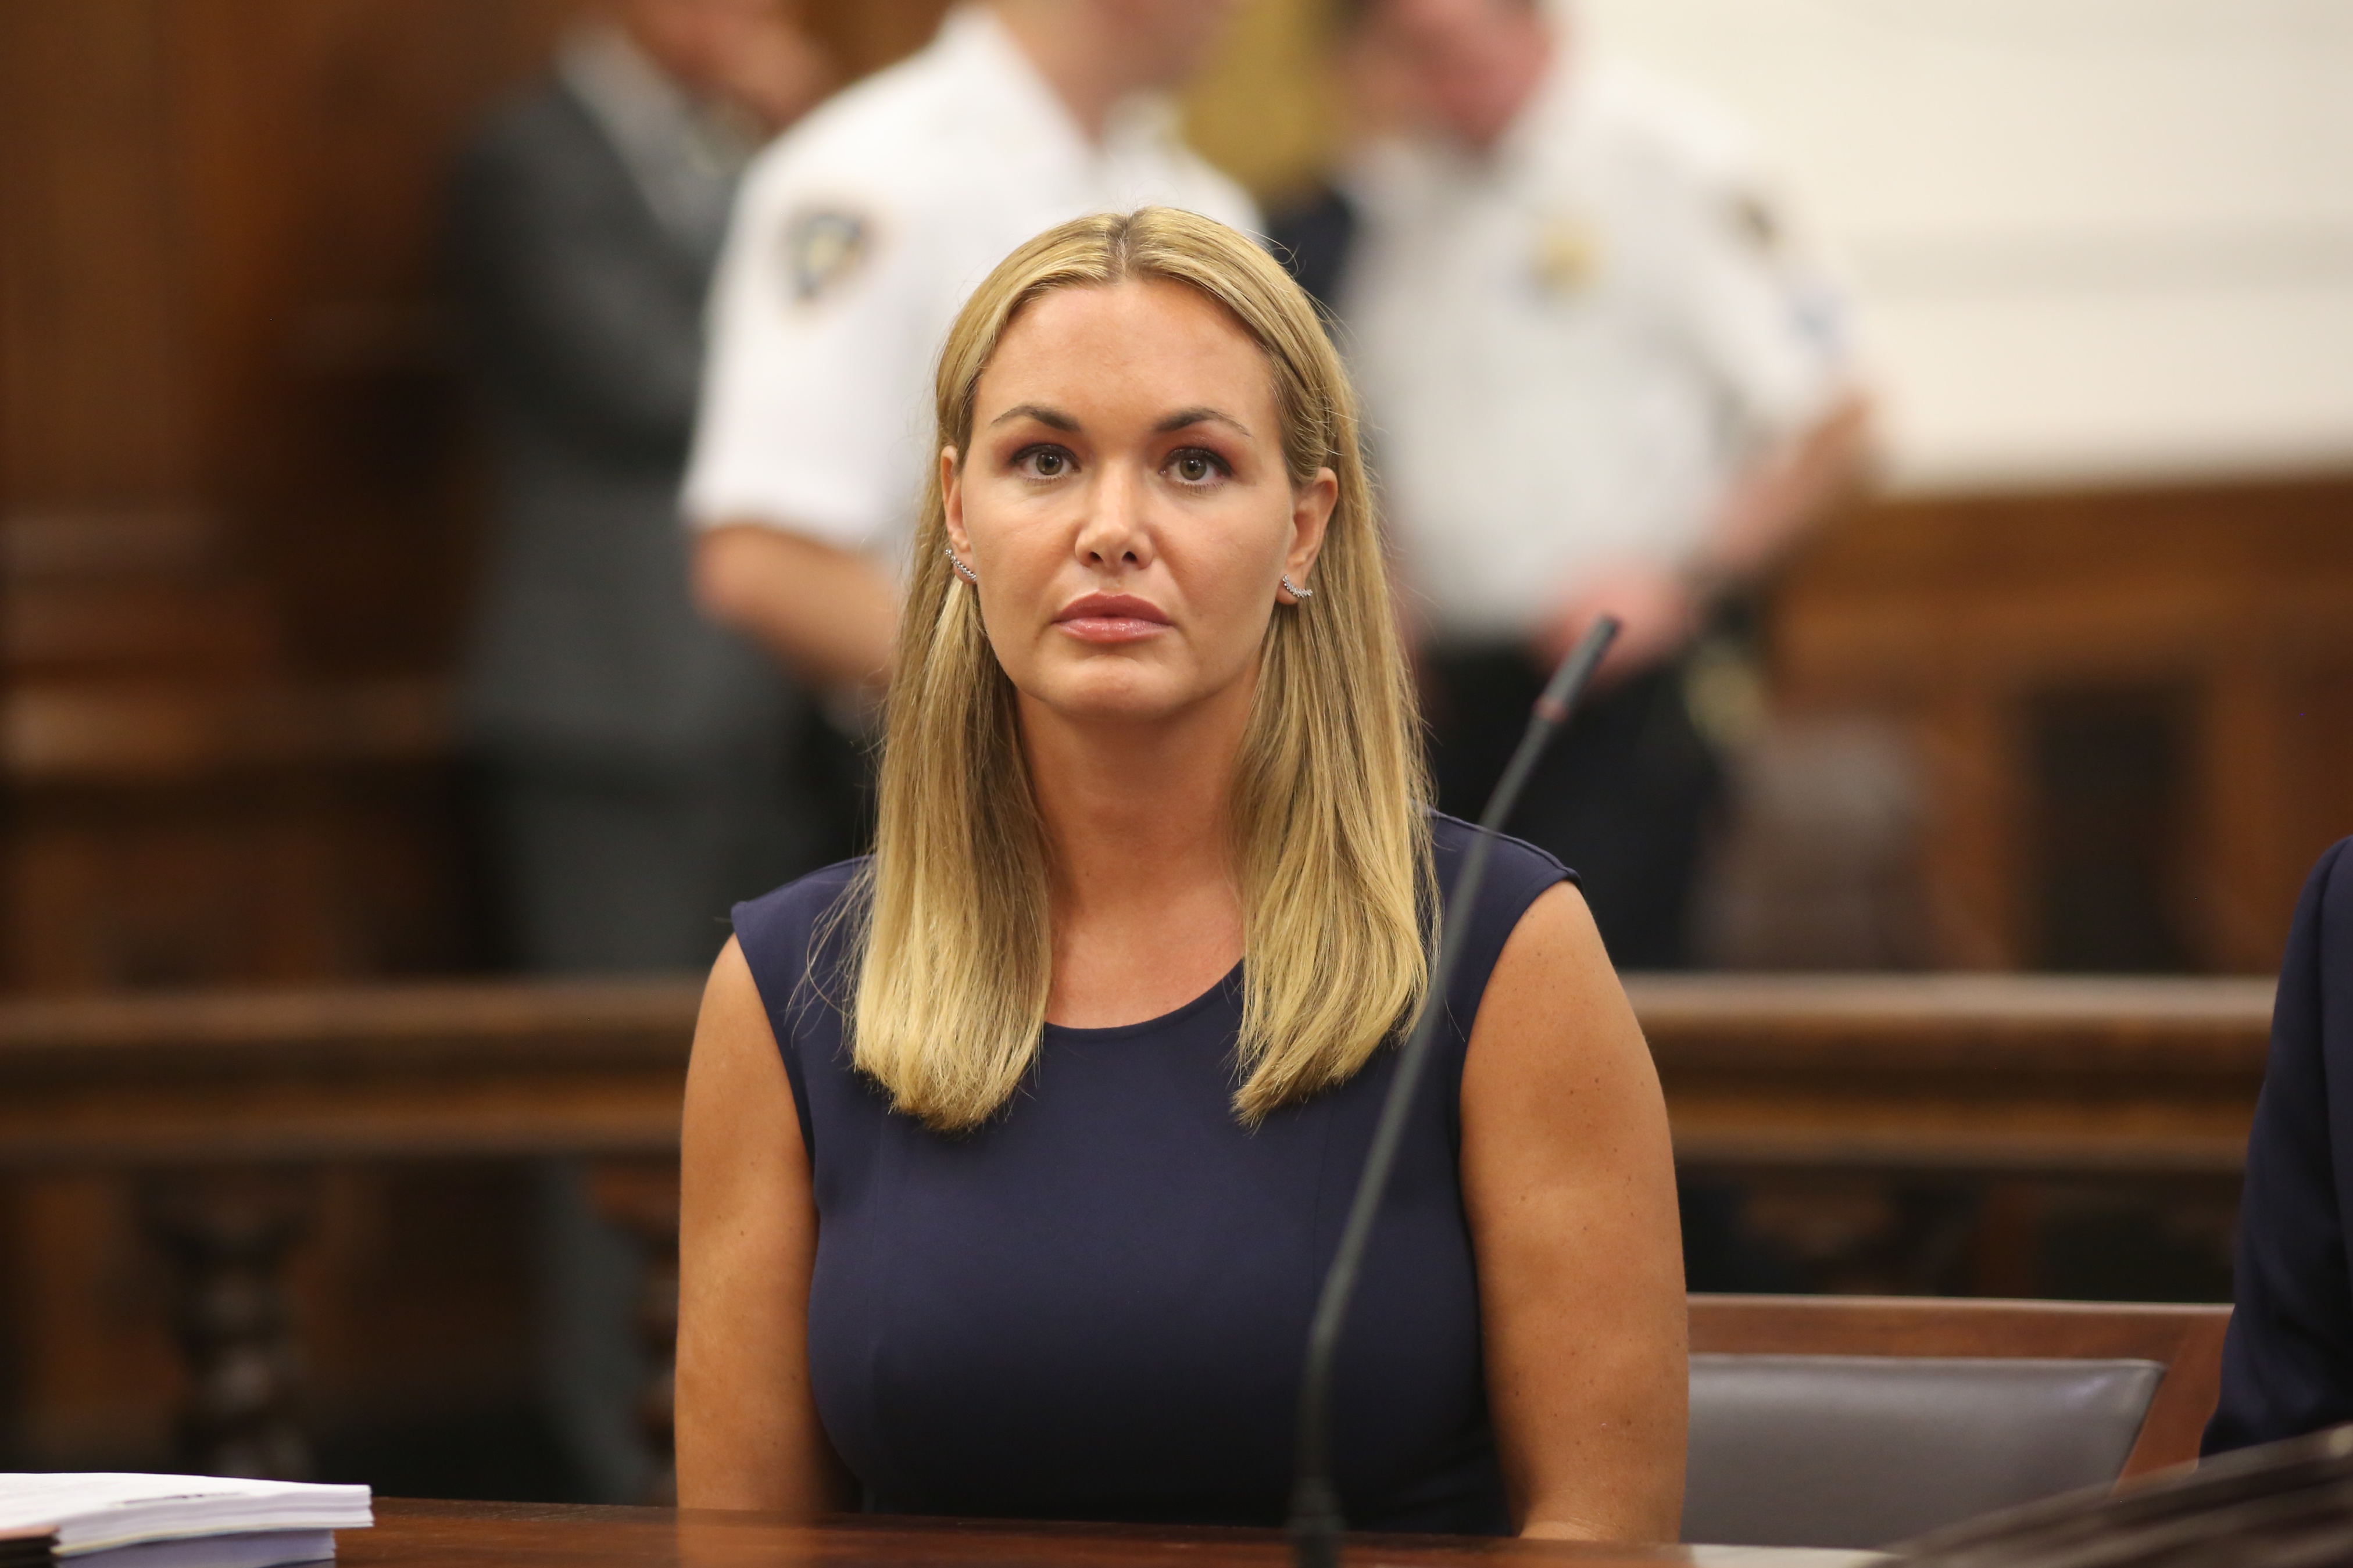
(251, 1034)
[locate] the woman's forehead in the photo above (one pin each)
(1145, 340)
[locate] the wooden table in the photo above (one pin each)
(512, 1535)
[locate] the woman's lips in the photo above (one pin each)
(1111, 618)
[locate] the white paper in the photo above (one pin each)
(105, 1509)
(267, 1549)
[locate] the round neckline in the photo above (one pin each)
(1117, 1031)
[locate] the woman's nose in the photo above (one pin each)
(1115, 531)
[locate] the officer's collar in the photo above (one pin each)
(1559, 96)
(973, 34)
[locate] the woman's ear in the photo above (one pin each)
(1311, 514)
(952, 498)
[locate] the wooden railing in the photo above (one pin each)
(1966, 1073)
(224, 1102)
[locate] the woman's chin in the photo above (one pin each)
(1113, 697)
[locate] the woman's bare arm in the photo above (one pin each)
(1569, 1184)
(748, 1434)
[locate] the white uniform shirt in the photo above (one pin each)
(857, 239)
(1569, 350)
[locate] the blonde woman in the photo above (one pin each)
(1016, 1153)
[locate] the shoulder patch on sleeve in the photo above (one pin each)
(824, 248)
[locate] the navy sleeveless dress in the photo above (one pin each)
(1094, 1307)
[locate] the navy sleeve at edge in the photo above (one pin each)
(2287, 1366)
(777, 933)
(1518, 873)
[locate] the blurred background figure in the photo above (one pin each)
(1548, 265)
(638, 771)
(638, 763)
(2287, 1367)
(856, 240)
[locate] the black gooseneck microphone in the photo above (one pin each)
(1315, 1522)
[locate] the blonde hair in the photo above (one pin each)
(953, 953)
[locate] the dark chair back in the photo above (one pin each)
(1854, 1422)
(1837, 1450)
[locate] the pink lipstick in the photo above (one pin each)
(1111, 618)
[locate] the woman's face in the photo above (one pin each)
(1125, 503)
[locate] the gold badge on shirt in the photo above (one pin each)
(825, 247)
(1568, 254)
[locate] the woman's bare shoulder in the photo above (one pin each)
(1554, 1018)
(736, 1071)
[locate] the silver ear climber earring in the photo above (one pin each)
(1295, 591)
(969, 574)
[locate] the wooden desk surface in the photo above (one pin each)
(512, 1535)
(1926, 1072)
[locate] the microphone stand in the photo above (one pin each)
(1315, 1522)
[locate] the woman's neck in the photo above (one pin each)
(1137, 819)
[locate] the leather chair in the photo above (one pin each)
(1837, 1450)
(1855, 1422)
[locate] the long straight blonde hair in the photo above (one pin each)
(953, 953)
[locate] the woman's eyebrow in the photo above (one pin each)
(1187, 416)
(1052, 418)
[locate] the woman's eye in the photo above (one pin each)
(1194, 467)
(1043, 463)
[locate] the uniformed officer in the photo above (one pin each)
(1603, 374)
(854, 242)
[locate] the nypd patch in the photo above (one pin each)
(824, 247)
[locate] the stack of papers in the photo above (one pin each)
(110, 1521)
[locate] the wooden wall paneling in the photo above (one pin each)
(1958, 613)
(235, 515)
(2243, 838)
(2115, 805)
(2316, 716)
(102, 1389)
(1972, 857)
(281, 624)
(415, 1298)
(93, 405)
(351, 458)
(135, 890)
